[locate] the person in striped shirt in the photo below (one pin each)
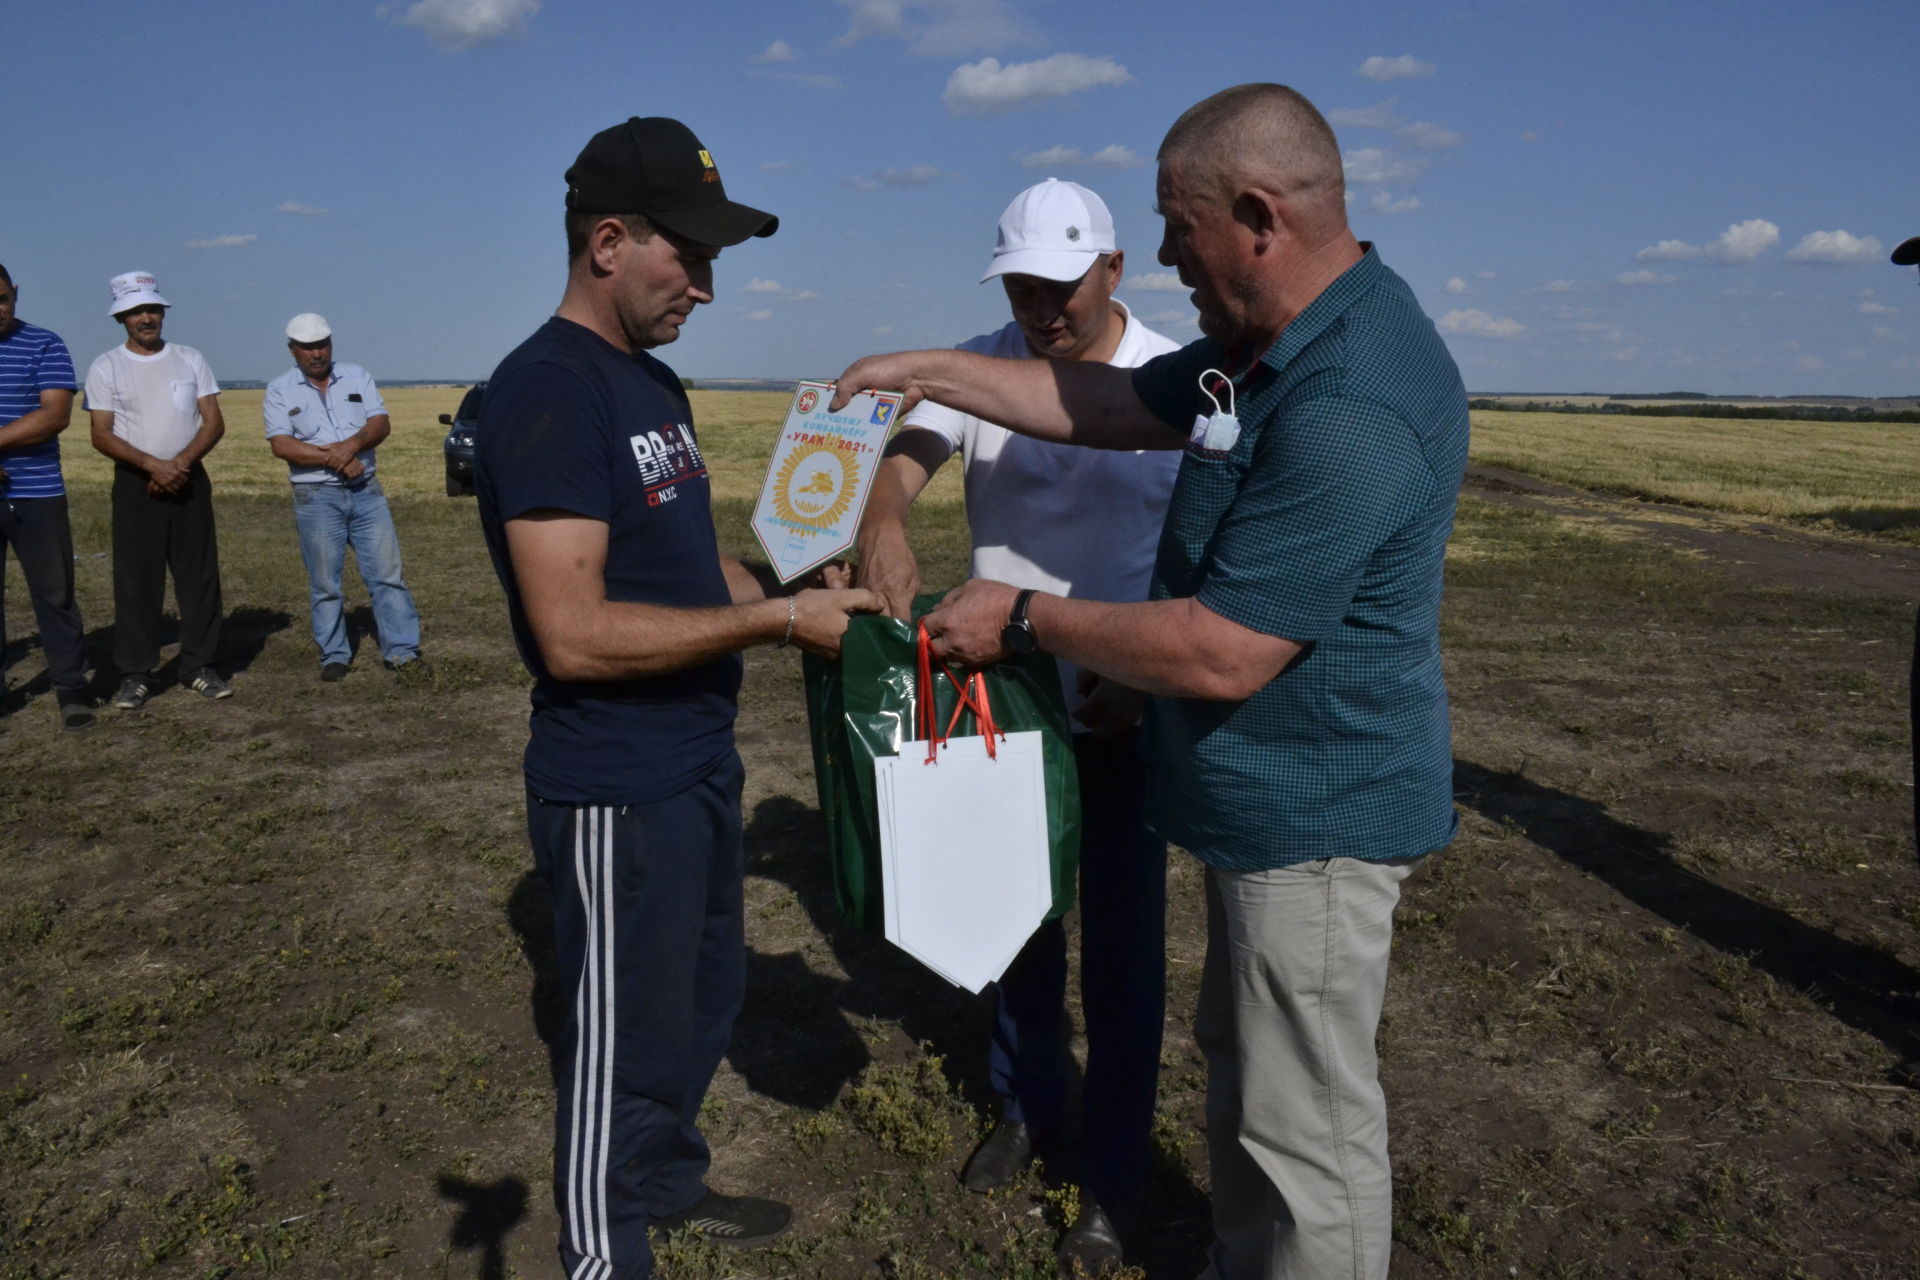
(36, 402)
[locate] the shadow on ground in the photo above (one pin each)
(1861, 986)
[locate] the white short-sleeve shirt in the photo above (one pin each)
(155, 400)
(1061, 518)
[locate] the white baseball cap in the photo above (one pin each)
(1054, 230)
(308, 327)
(134, 289)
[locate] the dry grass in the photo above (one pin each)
(1857, 476)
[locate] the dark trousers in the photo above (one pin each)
(1123, 984)
(1913, 718)
(649, 932)
(37, 530)
(152, 537)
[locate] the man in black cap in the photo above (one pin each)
(594, 500)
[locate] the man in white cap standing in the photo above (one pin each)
(155, 410)
(324, 420)
(1077, 522)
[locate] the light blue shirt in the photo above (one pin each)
(295, 407)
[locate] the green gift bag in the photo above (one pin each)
(864, 706)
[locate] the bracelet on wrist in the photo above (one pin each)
(793, 608)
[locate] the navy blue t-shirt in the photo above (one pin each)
(572, 423)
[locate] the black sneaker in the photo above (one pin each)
(740, 1222)
(76, 710)
(333, 672)
(207, 683)
(133, 692)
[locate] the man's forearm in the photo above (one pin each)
(34, 427)
(620, 640)
(297, 452)
(749, 582)
(1070, 402)
(1171, 648)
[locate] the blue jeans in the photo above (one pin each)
(1123, 902)
(330, 518)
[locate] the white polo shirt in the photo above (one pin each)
(1061, 518)
(155, 400)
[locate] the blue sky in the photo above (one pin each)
(1619, 197)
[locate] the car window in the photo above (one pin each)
(470, 405)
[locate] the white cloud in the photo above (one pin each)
(1378, 116)
(778, 166)
(1565, 286)
(985, 87)
(778, 51)
(1871, 308)
(1156, 282)
(1621, 356)
(222, 242)
(939, 28)
(918, 175)
(1642, 278)
(1834, 246)
(1374, 166)
(1113, 157)
(465, 24)
(1383, 202)
(1478, 324)
(306, 210)
(1404, 67)
(1530, 135)
(1456, 285)
(757, 285)
(759, 315)
(1741, 242)
(1810, 364)
(882, 330)
(1486, 275)
(1428, 136)
(805, 295)
(1171, 318)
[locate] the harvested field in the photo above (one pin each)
(274, 973)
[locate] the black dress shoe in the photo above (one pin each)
(1004, 1153)
(1091, 1246)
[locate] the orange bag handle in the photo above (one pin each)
(972, 697)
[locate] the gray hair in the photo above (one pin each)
(1264, 135)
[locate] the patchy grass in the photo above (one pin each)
(274, 973)
(1855, 476)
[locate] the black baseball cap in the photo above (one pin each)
(655, 166)
(1908, 254)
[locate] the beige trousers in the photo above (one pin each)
(1290, 1000)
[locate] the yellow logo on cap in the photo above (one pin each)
(706, 160)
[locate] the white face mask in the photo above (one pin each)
(1215, 432)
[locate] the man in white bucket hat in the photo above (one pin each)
(1077, 522)
(155, 410)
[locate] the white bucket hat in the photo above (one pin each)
(1053, 230)
(134, 289)
(308, 327)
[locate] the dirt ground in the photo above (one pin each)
(275, 977)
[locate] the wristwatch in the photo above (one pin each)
(1018, 635)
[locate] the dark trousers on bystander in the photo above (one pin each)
(649, 933)
(1123, 985)
(152, 537)
(37, 530)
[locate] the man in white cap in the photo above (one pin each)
(1084, 523)
(324, 420)
(155, 410)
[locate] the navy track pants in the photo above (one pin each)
(648, 927)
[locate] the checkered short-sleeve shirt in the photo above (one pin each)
(1325, 523)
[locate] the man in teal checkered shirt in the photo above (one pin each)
(1298, 741)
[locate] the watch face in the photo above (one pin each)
(1017, 637)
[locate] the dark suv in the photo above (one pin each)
(459, 443)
